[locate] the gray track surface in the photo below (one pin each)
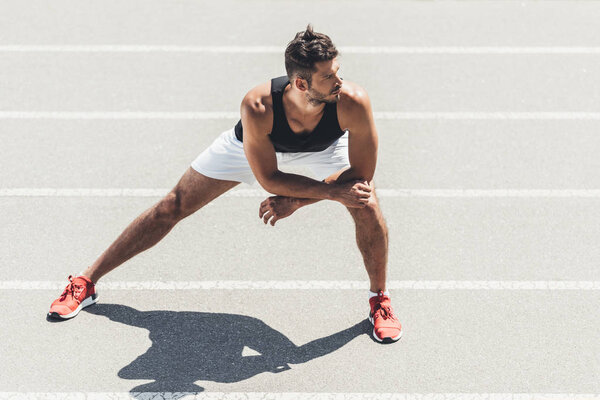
(485, 341)
(455, 342)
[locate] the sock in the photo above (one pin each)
(81, 274)
(373, 294)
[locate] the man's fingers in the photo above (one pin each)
(362, 202)
(262, 211)
(273, 220)
(264, 207)
(266, 217)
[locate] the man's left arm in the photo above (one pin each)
(355, 115)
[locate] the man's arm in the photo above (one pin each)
(356, 115)
(334, 178)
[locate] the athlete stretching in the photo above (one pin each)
(306, 118)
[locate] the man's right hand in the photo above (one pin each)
(353, 194)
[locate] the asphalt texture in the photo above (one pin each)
(276, 341)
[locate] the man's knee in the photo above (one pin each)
(170, 207)
(370, 210)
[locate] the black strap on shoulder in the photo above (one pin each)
(278, 85)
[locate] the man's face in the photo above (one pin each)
(326, 85)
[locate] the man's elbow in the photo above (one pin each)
(266, 184)
(363, 174)
(365, 177)
(269, 182)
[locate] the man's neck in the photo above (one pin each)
(300, 104)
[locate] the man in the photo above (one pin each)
(310, 118)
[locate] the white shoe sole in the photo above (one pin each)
(88, 301)
(387, 339)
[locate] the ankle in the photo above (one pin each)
(88, 275)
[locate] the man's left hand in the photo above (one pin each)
(276, 208)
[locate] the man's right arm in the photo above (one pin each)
(257, 122)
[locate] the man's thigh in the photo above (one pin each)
(194, 190)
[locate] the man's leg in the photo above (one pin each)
(192, 192)
(372, 240)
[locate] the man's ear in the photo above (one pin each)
(301, 84)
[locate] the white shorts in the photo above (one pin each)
(225, 159)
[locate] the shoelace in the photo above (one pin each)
(72, 289)
(383, 310)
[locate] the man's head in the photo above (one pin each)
(311, 65)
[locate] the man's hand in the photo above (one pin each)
(276, 208)
(353, 194)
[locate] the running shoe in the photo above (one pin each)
(386, 327)
(79, 293)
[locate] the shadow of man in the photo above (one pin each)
(191, 346)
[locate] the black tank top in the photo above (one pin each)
(284, 139)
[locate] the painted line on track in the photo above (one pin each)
(125, 48)
(212, 115)
(294, 396)
(400, 193)
(312, 285)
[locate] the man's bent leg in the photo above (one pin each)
(192, 192)
(372, 240)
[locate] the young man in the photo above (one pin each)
(309, 117)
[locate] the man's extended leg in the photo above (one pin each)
(192, 192)
(372, 240)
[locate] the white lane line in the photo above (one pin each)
(400, 193)
(509, 115)
(280, 49)
(312, 285)
(293, 396)
(210, 115)
(474, 193)
(112, 115)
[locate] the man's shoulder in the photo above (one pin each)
(353, 96)
(258, 102)
(353, 106)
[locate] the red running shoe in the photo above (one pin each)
(386, 327)
(80, 293)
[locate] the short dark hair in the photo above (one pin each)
(307, 48)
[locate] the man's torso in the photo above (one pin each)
(289, 135)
